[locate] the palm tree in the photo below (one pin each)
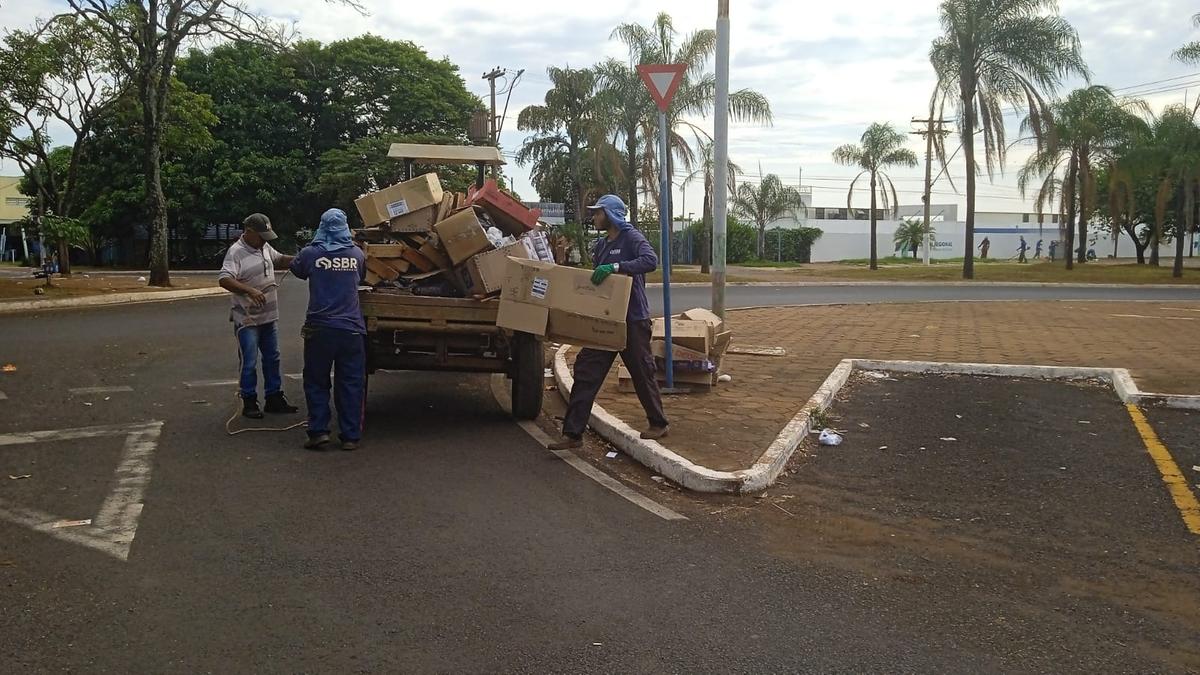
(881, 147)
(1174, 153)
(1088, 129)
(992, 53)
(657, 43)
(564, 128)
(911, 234)
(707, 170)
(766, 203)
(1190, 53)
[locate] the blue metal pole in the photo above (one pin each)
(664, 231)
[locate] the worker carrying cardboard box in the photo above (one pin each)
(623, 250)
(333, 331)
(248, 273)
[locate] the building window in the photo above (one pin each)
(1054, 219)
(1024, 217)
(19, 202)
(820, 213)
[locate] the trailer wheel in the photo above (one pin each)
(527, 376)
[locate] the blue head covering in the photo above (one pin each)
(334, 232)
(616, 211)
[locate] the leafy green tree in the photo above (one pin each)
(766, 203)
(912, 234)
(1190, 52)
(993, 53)
(659, 43)
(61, 73)
(881, 148)
(564, 128)
(145, 38)
(1174, 151)
(1090, 129)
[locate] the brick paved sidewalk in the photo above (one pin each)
(729, 428)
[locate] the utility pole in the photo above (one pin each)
(933, 127)
(491, 77)
(721, 158)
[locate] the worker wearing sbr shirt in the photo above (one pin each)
(623, 250)
(334, 332)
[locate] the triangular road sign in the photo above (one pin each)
(112, 529)
(663, 81)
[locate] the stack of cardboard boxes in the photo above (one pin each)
(425, 241)
(562, 304)
(699, 340)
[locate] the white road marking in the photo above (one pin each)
(1140, 316)
(195, 384)
(579, 464)
(1179, 309)
(84, 391)
(115, 525)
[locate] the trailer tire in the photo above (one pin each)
(528, 385)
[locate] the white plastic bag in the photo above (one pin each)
(828, 437)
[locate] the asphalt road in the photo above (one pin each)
(450, 542)
(754, 296)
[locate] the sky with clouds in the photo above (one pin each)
(828, 69)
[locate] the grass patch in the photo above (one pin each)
(77, 286)
(1089, 273)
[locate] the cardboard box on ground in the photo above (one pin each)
(699, 341)
(422, 240)
(562, 304)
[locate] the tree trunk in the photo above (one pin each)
(64, 258)
(706, 232)
(1131, 230)
(1082, 189)
(156, 201)
(968, 144)
(874, 238)
(1069, 192)
(1183, 224)
(631, 162)
(762, 241)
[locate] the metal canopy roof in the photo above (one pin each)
(447, 154)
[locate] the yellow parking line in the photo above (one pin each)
(1185, 501)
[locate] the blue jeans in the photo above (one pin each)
(251, 341)
(345, 353)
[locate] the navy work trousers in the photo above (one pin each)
(345, 354)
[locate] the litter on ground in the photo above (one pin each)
(828, 437)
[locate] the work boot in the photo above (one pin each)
(349, 446)
(250, 408)
(277, 404)
(566, 443)
(316, 442)
(655, 433)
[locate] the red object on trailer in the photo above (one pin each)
(510, 215)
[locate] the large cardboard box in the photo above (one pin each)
(484, 273)
(421, 220)
(694, 335)
(562, 304)
(398, 200)
(701, 314)
(463, 236)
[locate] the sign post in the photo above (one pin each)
(663, 81)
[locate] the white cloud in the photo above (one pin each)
(829, 69)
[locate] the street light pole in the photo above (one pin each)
(721, 159)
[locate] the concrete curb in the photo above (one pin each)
(24, 306)
(771, 463)
(944, 284)
(689, 474)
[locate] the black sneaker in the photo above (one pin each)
(250, 408)
(277, 404)
(317, 442)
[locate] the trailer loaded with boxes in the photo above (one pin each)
(436, 264)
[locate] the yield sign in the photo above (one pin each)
(663, 81)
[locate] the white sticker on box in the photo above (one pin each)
(397, 208)
(541, 285)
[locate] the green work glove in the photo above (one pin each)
(602, 272)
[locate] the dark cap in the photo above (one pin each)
(260, 224)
